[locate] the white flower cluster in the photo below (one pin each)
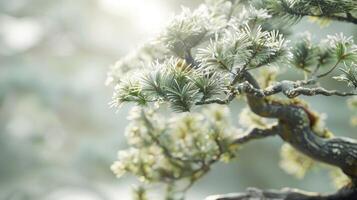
(339, 178)
(248, 119)
(294, 162)
(180, 148)
(297, 164)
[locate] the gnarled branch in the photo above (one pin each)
(296, 128)
(285, 194)
(291, 89)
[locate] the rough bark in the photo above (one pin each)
(285, 194)
(295, 126)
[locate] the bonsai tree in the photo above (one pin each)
(226, 51)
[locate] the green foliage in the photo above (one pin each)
(343, 47)
(335, 49)
(186, 31)
(324, 55)
(282, 10)
(241, 47)
(349, 75)
(222, 54)
(345, 50)
(129, 91)
(174, 82)
(291, 11)
(209, 84)
(181, 96)
(304, 53)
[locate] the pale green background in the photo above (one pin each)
(58, 135)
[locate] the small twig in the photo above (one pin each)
(291, 89)
(316, 69)
(256, 133)
(317, 91)
(329, 71)
(227, 100)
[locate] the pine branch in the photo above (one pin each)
(347, 18)
(285, 194)
(291, 89)
(295, 10)
(317, 91)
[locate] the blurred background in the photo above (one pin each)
(58, 136)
